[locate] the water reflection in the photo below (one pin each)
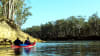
(77, 48)
(17, 51)
(27, 50)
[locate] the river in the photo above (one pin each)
(55, 48)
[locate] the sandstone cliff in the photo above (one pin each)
(10, 31)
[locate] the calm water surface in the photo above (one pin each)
(54, 48)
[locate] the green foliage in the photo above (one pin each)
(71, 28)
(15, 10)
(22, 16)
(22, 12)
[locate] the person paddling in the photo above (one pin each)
(18, 42)
(27, 42)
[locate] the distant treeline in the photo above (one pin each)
(72, 28)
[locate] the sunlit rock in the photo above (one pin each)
(11, 32)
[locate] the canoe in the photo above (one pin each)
(32, 45)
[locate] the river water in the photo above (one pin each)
(56, 48)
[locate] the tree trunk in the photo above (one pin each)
(13, 12)
(9, 9)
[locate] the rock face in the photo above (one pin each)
(10, 33)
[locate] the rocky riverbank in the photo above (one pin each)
(10, 31)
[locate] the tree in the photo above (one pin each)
(15, 10)
(72, 28)
(94, 23)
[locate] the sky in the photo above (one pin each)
(44, 11)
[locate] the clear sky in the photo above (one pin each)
(44, 11)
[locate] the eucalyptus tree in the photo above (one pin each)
(85, 29)
(72, 25)
(59, 25)
(15, 10)
(8, 8)
(81, 24)
(36, 31)
(94, 23)
(47, 30)
(22, 13)
(70, 28)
